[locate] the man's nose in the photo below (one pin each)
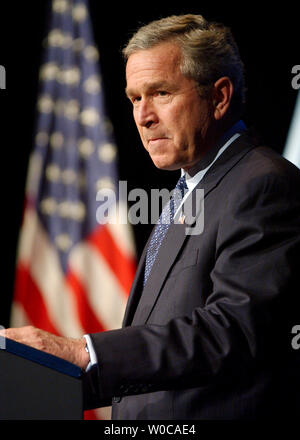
(146, 114)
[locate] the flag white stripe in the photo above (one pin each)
(122, 233)
(19, 317)
(105, 293)
(104, 413)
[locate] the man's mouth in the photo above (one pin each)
(156, 139)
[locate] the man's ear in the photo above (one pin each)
(221, 97)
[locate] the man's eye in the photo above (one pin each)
(162, 93)
(135, 99)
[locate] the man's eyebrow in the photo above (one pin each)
(148, 87)
(128, 92)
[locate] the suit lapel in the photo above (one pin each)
(142, 300)
(136, 288)
(168, 251)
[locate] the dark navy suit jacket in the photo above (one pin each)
(209, 337)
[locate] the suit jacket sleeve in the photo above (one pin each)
(256, 248)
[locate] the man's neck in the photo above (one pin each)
(210, 155)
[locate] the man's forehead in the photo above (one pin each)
(153, 68)
(162, 54)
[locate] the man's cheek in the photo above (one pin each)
(145, 144)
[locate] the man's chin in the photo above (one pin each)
(165, 165)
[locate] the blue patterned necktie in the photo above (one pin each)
(164, 221)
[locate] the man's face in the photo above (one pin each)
(171, 117)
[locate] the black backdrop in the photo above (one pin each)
(268, 41)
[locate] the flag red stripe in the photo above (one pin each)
(29, 296)
(90, 415)
(122, 265)
(89, 321)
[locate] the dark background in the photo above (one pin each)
(268, 41)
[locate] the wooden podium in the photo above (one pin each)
(38, 386)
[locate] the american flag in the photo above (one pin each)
(73, 274)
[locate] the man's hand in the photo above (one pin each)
(72, 350)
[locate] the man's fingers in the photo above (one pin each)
(26, 335)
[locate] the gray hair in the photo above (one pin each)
(209, 51)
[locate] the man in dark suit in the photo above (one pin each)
(206, 332)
